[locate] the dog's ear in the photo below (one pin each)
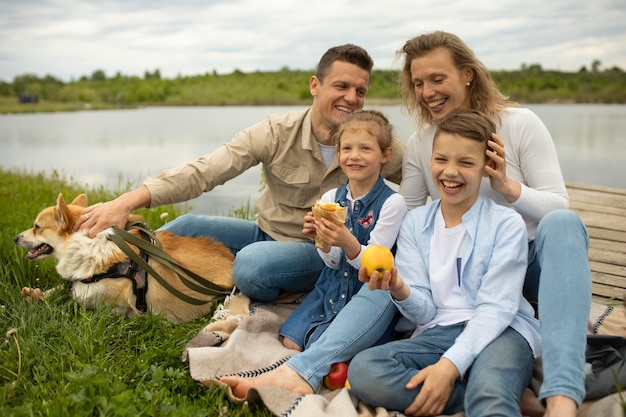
(62, 215)
(81, 201)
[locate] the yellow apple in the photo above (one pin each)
(377, 258)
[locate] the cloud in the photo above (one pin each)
(69, 38)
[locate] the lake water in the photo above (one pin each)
(118, 146)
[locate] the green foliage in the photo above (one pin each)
(58, 359)
(534, 85)
(530, 84)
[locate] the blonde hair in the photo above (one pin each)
(483, 92)
(373, 121)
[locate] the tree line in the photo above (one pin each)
(529, 84)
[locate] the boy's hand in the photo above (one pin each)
(437, 383)
(388, 280)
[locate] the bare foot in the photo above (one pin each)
(282, 377)
(32, 294)
(290, 344)
(530, 404)
(560, 406)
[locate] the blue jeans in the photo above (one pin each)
(367, 319)
(263, 267)
(378, 375)
(559, 279)
(498, 377)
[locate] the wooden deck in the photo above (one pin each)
(603, 210)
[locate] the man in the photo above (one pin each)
(299, 164)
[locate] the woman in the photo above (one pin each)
(440, 74)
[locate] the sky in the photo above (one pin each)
(69, 38)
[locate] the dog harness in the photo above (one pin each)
(131, 270)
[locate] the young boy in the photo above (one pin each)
(461, 263)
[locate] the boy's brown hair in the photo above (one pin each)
(470, 124)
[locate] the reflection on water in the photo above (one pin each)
(115, 147)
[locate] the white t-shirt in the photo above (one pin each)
(328, 153)
(445, 285)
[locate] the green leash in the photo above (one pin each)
(152, 246)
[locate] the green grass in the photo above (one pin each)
(58, 359)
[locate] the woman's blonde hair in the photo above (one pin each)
(483, 92)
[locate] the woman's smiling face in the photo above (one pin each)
(438, 84)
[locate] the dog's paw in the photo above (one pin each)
(32, 294)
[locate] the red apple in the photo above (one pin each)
(337, 376)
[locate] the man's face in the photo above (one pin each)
(342, 92)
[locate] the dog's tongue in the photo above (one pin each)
(42, 249)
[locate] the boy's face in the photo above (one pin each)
(360, 156)
(457, 166)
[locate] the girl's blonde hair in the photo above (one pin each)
(484, 94)
(373, 121)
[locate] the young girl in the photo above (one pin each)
(462, 259)
(375, 212)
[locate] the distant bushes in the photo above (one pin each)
(288, 87)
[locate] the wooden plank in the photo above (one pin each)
(601, 220)
(593, 187)
(603, 210)
(607, 291)
(607, 268)
(607, 279)
(606, 234)
(609, 246)
(607, 257)
(593, 207)
(596, 197)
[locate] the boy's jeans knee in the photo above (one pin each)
(498, 376)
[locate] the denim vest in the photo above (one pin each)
(335, 287)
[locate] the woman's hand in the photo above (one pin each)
(496, 171)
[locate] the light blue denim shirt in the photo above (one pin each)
(492, 272)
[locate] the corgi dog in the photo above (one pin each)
(98, 269)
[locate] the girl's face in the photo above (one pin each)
(439, 86)
(457, 166)
(360, 156)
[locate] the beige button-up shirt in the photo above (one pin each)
(293, 167)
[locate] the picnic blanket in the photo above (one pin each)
(242, 339)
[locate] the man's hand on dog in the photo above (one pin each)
(101, 216)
